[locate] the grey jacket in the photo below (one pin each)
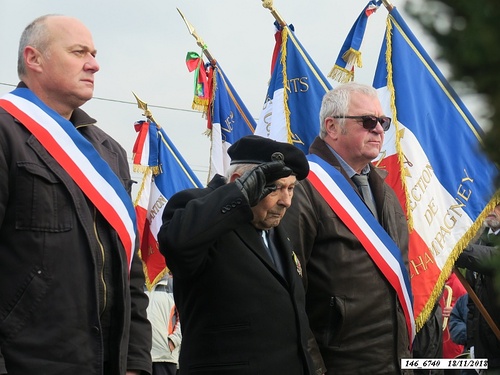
(353, 310)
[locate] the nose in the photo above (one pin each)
(285, 198)
(378, 129)
(92, 64)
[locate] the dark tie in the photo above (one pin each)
(361, 182)
(273, 251)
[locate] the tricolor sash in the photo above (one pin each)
(353, 212)
(79, 158)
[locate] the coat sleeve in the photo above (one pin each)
(458, 321)
(4, 194)
(139, 349)
(194, 219)
(478, 258)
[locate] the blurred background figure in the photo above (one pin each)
(478, 259)
(167, 335)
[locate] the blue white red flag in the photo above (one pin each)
(165, 172)
(296, 89)
(435, 161)
(228, 120)
(350, 53)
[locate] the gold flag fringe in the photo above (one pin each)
(200, 104)
(149, 172)
(341, 75)
(286, 87)
(351, 57)
(146, 168)
(151, 283)
(467, 238)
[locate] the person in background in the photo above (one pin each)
(477, 259)
(455, 289)
(71, 282)
(353, 310)
(167, 335)
(237, 280)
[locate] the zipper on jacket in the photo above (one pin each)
(103, 258)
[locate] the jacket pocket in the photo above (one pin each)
(15, 315)
(42, 201)
(336, 314)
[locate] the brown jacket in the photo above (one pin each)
(353, 310)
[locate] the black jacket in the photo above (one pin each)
(238, 314)
(54, 246)
(476, 258)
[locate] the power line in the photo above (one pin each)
(197, 168)
(126, 102)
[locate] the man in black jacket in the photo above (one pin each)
(71, 282)
(237, 280)
(477, 259)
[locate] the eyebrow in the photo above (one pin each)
(84, 47)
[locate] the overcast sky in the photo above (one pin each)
(142, 47)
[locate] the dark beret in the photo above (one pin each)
(254, 149)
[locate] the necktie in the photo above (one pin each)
(273, 251)
(361, 182)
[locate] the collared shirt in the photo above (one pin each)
(349, 170)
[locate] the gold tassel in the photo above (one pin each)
(341, 75)
(353, 57)
(200, 104)
(286, 87)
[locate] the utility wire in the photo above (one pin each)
(201, 169)
(126, 102)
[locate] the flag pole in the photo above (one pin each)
(268, 4)
(199, 41)
(144, 106)
(388, 5)
(477, 302)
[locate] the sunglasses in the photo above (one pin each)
(370, 122)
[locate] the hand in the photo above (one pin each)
(447, 312)
(257, 183)
(171, 345)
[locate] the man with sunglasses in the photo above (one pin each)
(354, 310)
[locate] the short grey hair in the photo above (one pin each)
(238, 168)
(36, 35)
(336, 102)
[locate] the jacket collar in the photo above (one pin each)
(79, 116)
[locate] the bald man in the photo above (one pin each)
(71, 282)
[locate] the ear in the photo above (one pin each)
(234, 176)
(33, 59)
(331, 127)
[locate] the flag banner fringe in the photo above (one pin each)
(399, 149)
(151, 283)
(286, 85)
(200, 104)
(341, 74)
(450, 262)
(353, 57)
(146, 168)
